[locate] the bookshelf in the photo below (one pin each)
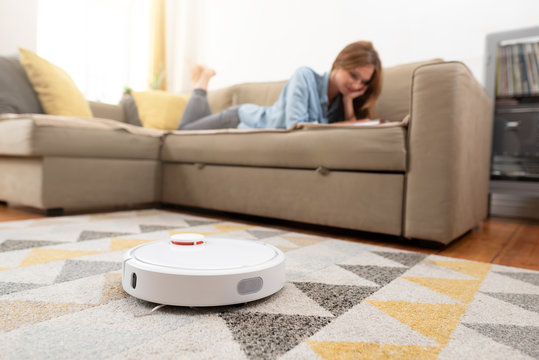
(512, 82)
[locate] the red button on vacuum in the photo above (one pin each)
(187, 239)
(187, 242)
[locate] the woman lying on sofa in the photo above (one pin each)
(345, 95)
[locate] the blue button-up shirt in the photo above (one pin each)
(304, 99)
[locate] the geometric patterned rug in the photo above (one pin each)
(61, 298)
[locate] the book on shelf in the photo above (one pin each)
(517, 70)
(517, 81)
(524, 80)
(533, 67)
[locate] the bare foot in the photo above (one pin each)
(207, 72)
(204, 78)
(195, 70)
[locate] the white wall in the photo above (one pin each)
(18, 24)
(255, 40)
(258, 40)
(101, 44)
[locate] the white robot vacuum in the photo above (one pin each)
(191, 270)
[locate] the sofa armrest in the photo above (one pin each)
(107, 111)
(449, 141)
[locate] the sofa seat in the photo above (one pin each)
(357, 148)
(52, 162)
(369, 201)
(326, 169)
(42, 135)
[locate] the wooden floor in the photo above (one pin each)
(502, 241)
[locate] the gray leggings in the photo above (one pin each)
(197, 114)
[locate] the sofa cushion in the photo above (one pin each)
(368, 148)
(16, 93)
(129, 108)
(56, 90)
(45, 135)
(160, 109)
(394, 101)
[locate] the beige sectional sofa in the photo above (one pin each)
(424, 175)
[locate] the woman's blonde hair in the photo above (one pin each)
(354, 55)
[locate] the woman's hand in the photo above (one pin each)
(351, 96)
(348, 103)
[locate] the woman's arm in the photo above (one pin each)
(348, 105)
(298, 107)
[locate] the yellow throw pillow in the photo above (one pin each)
(56, 90)
(160, 109)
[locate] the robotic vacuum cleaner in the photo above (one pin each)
(191, 270)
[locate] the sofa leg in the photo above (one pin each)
(54, 212)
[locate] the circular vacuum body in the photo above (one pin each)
(191, 270)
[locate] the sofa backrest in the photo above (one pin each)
(261, 93)
(107, 111)
(393, 104)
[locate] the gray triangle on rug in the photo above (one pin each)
(12, 245)
(405, 258)
(86, 235)
(266, 336)
(381, 275)
(336, 299)
(526, 301)
(530, 278)
(152, 228)
(523, 338)
(193, 223)
(76, 269)
(9, 287)
(264, 234)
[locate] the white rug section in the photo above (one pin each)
(336, 275)
(405, 290)
(367, 258)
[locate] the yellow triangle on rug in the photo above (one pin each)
(363, 350)
(121, 244)
(474, 269)
(435, 321)
(230, 228)
(30, 312)
(461, 290)
(43, 256)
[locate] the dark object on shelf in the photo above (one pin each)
(516, 132)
